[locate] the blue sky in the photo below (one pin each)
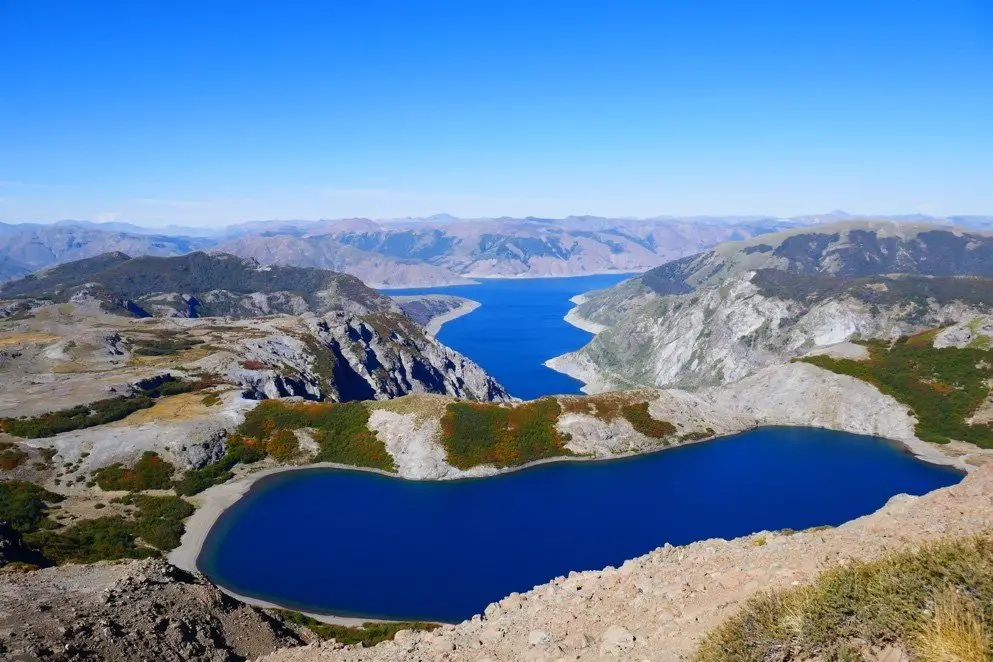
(217, 111)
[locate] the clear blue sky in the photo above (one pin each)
(215, 111)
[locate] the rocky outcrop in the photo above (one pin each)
(657, 606)
(718, 335)
(970, 332)
(341, 358)
(129, 612)
(187, 432)
(414, 442)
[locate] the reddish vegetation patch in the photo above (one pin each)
(610, 407)
(11, 457)
(151, 472)
(478, 433)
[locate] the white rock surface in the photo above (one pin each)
(718, 335)
(414, 444)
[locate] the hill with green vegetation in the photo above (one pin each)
(942, 387)
(134, 284)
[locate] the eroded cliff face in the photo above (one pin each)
(718, 335)
(340, 358)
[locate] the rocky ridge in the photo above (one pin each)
(717, 317)
(793, 394)
(90, 331)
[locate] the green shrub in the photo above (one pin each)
(75, 418)
(895, 600)
(155, 527)
(639, 418)
(196, 481)
(149, 473)
(24, 505)
(478, 433)
(91, 540)
(165, 343)
(943, 387)
(341, 430)
(159, 520)
(369, 634)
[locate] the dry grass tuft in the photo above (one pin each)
(935, 602)
(955, 633)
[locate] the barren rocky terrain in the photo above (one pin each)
(132, 610)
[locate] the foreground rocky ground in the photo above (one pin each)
(657, 607)
(136, 610)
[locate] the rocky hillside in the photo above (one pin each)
(137, 610)
(326, 252)
(540, 247)
(721, 315)
(106, 333)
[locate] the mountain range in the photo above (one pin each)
(433, 251)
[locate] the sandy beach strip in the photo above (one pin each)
(438, 321)
(574, 318)
(211, 504)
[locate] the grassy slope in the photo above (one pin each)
(151, 525)
(943, 387)
(936, 602)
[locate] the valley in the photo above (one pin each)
(151, 405)
(517, 327)
(496, 331)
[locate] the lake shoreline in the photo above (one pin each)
(474, 280)
(215, 501)
(435, 323)
(574, 318)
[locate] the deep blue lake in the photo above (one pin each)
(355, 543)
(519, 327)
